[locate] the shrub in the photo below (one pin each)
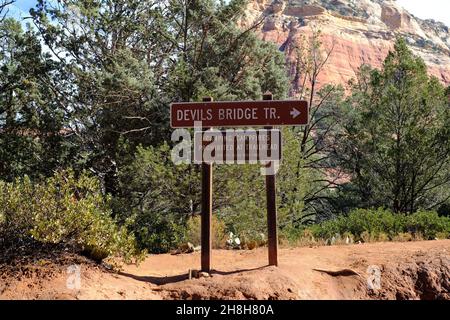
(403, 237)
(442, 235)
(290, 235)
(444, 209)
(367, 237)
(293, 236)
(427, 223)
(158, 232)
(16, 209)
(219, 234)
(306, 238)
(349, 236)
(374, 222)
(382, 225)
(253, 240)
(248, 223)
(159, 197)
(64, 210)
(382, 237)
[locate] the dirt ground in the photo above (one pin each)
(412, 270)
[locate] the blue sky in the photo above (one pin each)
(21, 7)
(425, 9)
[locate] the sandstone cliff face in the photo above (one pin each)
(360, 32)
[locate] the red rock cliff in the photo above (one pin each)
(360, 32)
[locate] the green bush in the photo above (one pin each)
(291, 235)
(367, 225)
(159, 233)
(64, 210)
(427, 223)
(247, 220)
(219, 235)
(159, 197)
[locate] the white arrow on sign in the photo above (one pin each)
(295, 113)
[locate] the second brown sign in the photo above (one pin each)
(237, 146)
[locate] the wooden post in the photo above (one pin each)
(271, 209)
(206, 241)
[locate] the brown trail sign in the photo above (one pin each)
(239, 114)
(266, 113)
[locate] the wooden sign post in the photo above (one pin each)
(271, 203)
(266, 113)
(206, 218)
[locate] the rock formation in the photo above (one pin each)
(359, 32)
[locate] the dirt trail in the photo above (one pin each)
(413, 270)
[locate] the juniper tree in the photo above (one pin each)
(129, 59)
(395, 141)
(32, 117)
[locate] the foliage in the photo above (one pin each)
(31, 116)
(156, 192)
(241, 203)
(395, 139)
(318, 138)
(164, 198)
(428, 224)
(4, 8)
(129, 59)
(102, 88)
(90, 85)
(218, 235)
(366, 224)
(247, 220)
(121, 63)
(159, 196)
(158, 233)
(444, 209)
(63, 210)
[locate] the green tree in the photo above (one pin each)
(395, 141)
(129, 59)
(241, 201)
(158, 196)
(308, 57)
(31, 116)
(125, 62)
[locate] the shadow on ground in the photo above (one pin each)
(182, 277)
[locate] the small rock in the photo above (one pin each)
(203, 275)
